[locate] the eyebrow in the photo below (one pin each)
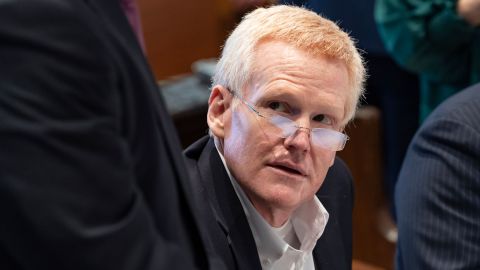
(280, 93)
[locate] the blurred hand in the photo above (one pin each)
(470, 11)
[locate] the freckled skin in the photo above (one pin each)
(319, 85)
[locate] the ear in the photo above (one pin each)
(218, 105)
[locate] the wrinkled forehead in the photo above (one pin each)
(285, 54)
(294, 72)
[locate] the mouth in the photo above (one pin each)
(289, 169)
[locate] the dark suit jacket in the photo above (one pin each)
(227, 226)
(91, 172)
(438, 191)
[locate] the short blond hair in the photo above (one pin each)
(299, 27)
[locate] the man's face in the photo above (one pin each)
(279, 174)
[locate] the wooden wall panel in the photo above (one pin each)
(179, 32)
(363, 156)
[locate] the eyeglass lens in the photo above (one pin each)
(324, 138)
(284, 127)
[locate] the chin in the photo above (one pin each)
(285, 198)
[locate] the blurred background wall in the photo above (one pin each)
(179, 32)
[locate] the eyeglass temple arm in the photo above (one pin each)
(245, 102)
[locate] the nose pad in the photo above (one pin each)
(300, 139)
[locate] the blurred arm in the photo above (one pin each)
(470, 11)
(427, 37)
(437, 198)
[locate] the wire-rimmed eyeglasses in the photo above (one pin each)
(284, 127)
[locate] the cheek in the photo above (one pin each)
(321, 165)
(245, 135)
(332, 159)
(238, 135)
(240, 145)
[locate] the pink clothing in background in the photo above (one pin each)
(130, 8)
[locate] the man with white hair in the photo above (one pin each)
(285, 87)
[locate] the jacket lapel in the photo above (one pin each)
(227, 209)
(329, 250)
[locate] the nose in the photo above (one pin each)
(300, 140)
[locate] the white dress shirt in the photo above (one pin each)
(290, 246)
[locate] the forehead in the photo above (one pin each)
(316, 82)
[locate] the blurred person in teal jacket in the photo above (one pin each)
(439, 40)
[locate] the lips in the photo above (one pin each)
(289, 167)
